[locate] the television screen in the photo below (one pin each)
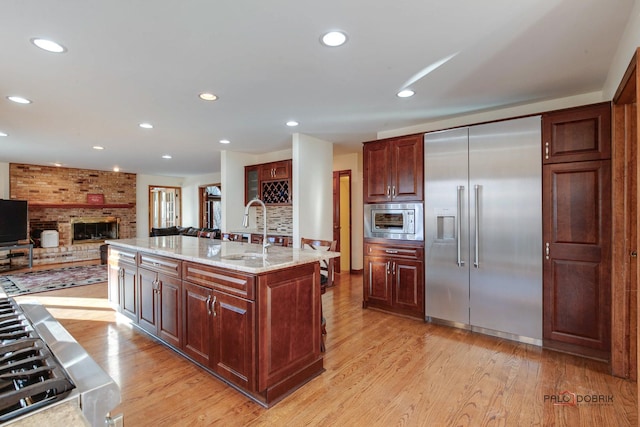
(13, 221)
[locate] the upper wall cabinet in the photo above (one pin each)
(577, 134)
(270, 182)
(393, 169)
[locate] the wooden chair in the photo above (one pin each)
(274, 240)
(327, 269)
(207, 234)
(232, 237)
(326, 273)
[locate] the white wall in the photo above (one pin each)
(191, 198)
(4, 180)
(498, 114)
(629, 42)
(312, 188)
(353, 162)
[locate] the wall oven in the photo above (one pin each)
(399, 221)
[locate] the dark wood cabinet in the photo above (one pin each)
(197, 328)
(219, 325)
(160, 298)
(577, 134)
(233, 344)
(122, 285)
(260, 333)
(275, 170)
(270, 182)
(577, 240)
(393, 169)
(394, 278)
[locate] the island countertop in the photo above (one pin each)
(216, 252)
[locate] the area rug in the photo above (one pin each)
(48, 280)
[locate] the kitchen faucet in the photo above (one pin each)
(245, 223)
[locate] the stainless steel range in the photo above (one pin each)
(45, 373)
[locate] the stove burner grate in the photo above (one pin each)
(30, 375)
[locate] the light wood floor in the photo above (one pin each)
(381, 370)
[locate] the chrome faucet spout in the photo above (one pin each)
(245, 223)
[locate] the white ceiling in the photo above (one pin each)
(133, 61)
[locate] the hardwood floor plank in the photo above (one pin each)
(381, 370)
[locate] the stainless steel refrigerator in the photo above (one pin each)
(483, 228)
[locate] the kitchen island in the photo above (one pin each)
(254, 322)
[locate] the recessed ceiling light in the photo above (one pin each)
(208, 96)
(98, 147)
(49, 45)
(334, 38)
(292, 123)
(225, 141)
(146, 125)
(116, 169)
(406, 93)
(56, 164)
(19, 99)
(3, 133)
(166, 156)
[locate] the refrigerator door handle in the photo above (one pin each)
(460, 262)
(476, 259)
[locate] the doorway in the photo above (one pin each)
(164, 207)
(210, 202)
(342, 218)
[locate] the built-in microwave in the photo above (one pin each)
(400, 221)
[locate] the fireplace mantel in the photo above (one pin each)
(80, 205)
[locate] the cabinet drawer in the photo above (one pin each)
(397, 251)
(160, 264)
(118, 255)
(231, 282)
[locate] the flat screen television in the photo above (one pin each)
(14, 221)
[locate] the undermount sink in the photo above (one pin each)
(242, 256)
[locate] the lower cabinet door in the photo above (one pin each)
(170, 310)
(408, 295)
(129, 292)
(377, 281)
(147, 285)
(197, 328)
(233, 345)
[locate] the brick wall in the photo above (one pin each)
(57, 195)
(49, 184)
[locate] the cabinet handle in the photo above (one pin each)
(546, 250)
(393, 191)
(388, 191)
(213, 305)
(389, 251)
(546, 151)
(208, 303)
(388, 262)
(393, 268)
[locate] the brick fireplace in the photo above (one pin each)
(61, 197)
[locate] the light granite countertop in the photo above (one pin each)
(215, 252)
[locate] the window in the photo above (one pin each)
(164, 207)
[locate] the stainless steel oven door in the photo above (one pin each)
(399, 221)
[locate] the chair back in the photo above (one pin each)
(232, 237)
(328, 266)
